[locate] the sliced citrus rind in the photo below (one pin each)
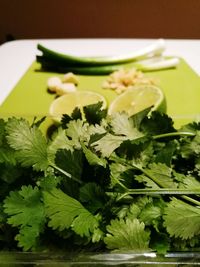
(66, 104)
(138, 98)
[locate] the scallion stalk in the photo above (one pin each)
(154, 49)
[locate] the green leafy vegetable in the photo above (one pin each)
(29, 143)
(181, 219)
(65, 212)
(128, 234)
(26, 211)
(100, 183)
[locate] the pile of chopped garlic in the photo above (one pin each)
(123, 79)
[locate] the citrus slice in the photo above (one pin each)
(138, 98)
(66, 104)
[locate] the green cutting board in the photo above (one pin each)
(181, 87)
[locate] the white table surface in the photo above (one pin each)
(17, 56)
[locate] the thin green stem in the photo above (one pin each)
(173, 134)
(164, 191)
(193, 201)
(66, 173)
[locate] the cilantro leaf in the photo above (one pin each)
(192, 127)
(10, 173)
(127, 234)
(146, 181)
(77, 131)
(29, 143)
(157, 123)
(165, 155)
(139, 151)
(151, 213)
(92, 158)
(160, 242)
(94, 113)
(190, 146)
(123, 125)
(71, 162)
(7, 154)
(60, 141)
(182, 219)
(2, 131)
(117, 172)
(108, 143)
(66, 212)
(161, 174)
(26, 211)
(28, 237)
(189, 182)
(92, 195)
(76, 114)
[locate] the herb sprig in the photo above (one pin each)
(106, 183)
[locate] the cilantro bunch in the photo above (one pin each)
(100, 183)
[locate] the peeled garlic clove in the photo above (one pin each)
(53, 83)
(70, 78)
(65, 88)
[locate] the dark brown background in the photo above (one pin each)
(26, 19)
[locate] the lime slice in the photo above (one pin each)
(138, 98)
(66, 104)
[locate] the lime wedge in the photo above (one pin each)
(138, 98)
(66, 104)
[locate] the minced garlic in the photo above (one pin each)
(123, 79)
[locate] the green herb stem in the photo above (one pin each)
(191, 200)
(66, 173)
(173, 134)
(163, 191)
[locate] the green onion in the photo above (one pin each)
(146, 59)
(157, 64)
(154, 49)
